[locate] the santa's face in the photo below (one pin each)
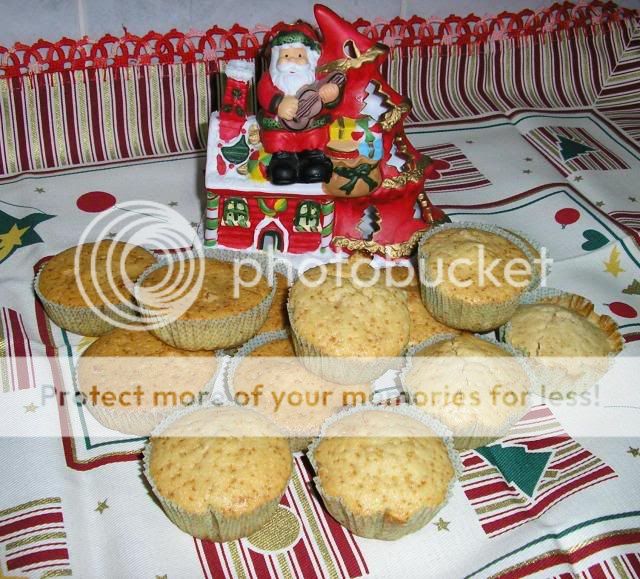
(292, 67)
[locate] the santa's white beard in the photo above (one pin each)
(290, 77)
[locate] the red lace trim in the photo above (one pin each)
(238, 42)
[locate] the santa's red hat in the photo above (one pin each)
(298, 33)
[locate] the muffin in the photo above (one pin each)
(218, 472)
(347, 328)
(266, 376)
(475, 387)
(534, 249)
(277, 318)
(568, 343)
(106, 272)
(210, 311)
(455, 287)
(422, 325)
(383, 472)
(130, 380)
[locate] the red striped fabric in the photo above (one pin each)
(554, 558)
(83, 102)
(33, 537)
(500, 503)
(459, 176)
(16, 361)
(323, 548)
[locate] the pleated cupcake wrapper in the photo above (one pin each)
(80, 320)
(537, 246)
(457, 313)
(377, 526)
(345, 371)
(212, 525)
(142, 420)
(283, 267)
(298, 441)
(479, 437)
(547, 381)
(215, 333)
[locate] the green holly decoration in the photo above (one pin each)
(633, 289)
(278, 207)
(236, 153)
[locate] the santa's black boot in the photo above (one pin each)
(314, 166)
(283, 168)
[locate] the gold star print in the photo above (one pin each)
(527, 171)
(442, 525)
(528, 159)
(3, 576)
(30, 407)
(612, 265)
(11, 239)
(102, 506)
(161, 576)
(634, 452)
(39, 190)
(194, 224)
(633, 199)
(600, 204)
(172, 204)
(578, 178)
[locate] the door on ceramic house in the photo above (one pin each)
(271, 239)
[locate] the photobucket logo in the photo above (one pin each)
(109, 292)
(464, 272)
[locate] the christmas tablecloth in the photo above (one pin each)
(558, 496)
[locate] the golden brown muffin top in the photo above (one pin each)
(60, 283)
(215, 298)
(122, 360)
(467, 382)
(277, 348)
(230, 460)
(278, 319)
(453, 244)
(343, 316)
(383, 462)
(563, 326)
(423, 324)
(294, 398)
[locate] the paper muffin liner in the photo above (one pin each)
(214, 333)
(81, 320)
(460, 314)
(299, 441)
(548, 381)
(376, 526)
(141, 421)
(478, 437)
(543, 274)
(345, 371)
(212, 525)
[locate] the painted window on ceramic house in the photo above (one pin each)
(307, 217)
(236, 212)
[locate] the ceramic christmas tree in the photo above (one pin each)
(325, 165)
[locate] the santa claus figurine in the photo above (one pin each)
(294, 120)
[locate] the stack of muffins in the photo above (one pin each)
(145, 362)
(304, 357)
